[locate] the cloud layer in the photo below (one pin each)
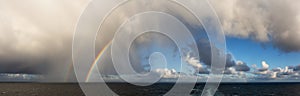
(288, 72)
(274, 21)
(36, 36)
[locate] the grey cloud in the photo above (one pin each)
(227, 72)
(203, 71)
(143, 46)
(230, 70)
(241, 66)
(262, 69)
(296, 68)
(205, 50)
(229, 61)
(4, 77)
(274, 21)
(238, 69)
(276, 69)
(36, 37)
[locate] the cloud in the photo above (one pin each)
(205, 49)
(238, 69)
(230, 70)
(195, 63)
(167, 73)
(264, 72)
(265, 66)
(278, 69)
(288, 72)
(274, 21)
(241, 66)
(243, 19)
(4, 77)
(36, 36)
(37, 39)
(296, 68)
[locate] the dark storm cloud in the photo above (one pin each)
(37, 39)
(36, 66)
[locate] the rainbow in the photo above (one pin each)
(96, 60)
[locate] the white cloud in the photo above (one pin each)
(265, 65)
(195, 63)
(167, 73)
(192, 61)
(232, 70)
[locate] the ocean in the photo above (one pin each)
(124, 89)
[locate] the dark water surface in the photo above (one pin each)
(123, 89)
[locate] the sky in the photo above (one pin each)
(253, 53)
(261, 35)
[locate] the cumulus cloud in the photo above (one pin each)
(264, 72)
(275, 21)
(288, 72)
(167, 73)
(238, 70)
(241, 66)
(230, 70)
(265, 66)
(195, 63)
